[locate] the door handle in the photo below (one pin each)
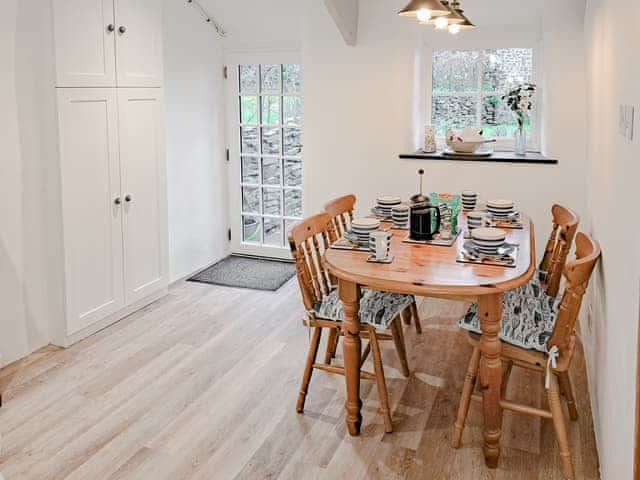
(122, 29)
(111, 27)
(117, 201)
(128, 198)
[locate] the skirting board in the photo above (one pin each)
(69, 340)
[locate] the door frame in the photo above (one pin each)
(232, 60)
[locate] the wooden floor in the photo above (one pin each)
(202, 385)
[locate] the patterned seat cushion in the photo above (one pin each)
(376, 308)
(527, 320)
(534, 288)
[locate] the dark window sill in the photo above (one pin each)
(496, 157)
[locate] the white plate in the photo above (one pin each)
(365, 222)
(388, 200)
(489, 233)
(500, 203)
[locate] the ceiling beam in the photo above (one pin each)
(345, 14)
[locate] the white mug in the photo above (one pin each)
(379, 243)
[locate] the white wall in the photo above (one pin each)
(196, 163)
(31, 278)
(361, 104)
(614, 170)
(30, 234)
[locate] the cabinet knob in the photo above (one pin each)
(122, 29)
(111, 27)
(117, 201)
(128, 198)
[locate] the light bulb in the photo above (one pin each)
(454, 28)
(441, 23)
(424, 14)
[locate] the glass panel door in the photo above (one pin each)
(269, 147)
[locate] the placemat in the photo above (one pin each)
(437, 241)
(344, 244)
(372, 259)
(510, 258)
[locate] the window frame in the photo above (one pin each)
(502, 144)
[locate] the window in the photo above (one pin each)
(467, 89)
(270, 126)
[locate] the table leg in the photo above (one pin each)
(490, 313)
(350, 296)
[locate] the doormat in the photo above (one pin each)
(247, 272)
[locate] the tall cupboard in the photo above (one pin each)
(112, 164)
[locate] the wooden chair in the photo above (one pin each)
(308, 241)
(341, 211)
(553, 362)
(565, 226)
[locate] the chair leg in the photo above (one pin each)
(333, 335)
(567, 390)
(507, 366)
(406, 316)
(416, 317)
(553, 397)
(380, 381)
(335, 343)
(398, 340)
(465, 398)
(308, 369)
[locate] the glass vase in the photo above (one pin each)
(521, 142)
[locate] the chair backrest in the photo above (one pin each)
(577, 272)
(565, 226)
(341, 212)
(308, 241)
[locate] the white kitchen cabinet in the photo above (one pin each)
(139, 43)
(85, 43)
(113, 201)
(141, 134)
(92, 217)
(108, 43)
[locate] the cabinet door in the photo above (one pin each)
(84, 43)
(141, 136)
(92, 217)
(139, 43)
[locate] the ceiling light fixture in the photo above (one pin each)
(424, 10)
(440, 14)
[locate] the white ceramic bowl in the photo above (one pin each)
(466, 147)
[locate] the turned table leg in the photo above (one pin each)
(350, 296)
(490, 313)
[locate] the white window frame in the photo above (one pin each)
(232, 60)
(504, 144)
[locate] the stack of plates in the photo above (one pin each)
(474, 220)
(488, 240)
(385, 204)
(469, 200)
(361, 228)
(400, 216)
(500, 208)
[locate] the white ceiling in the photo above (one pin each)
(258, 22)
(503, 12)
(252, 23)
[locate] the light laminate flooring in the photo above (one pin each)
(202, 384)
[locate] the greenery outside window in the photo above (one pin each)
(467, 90)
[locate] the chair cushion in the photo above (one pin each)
(527, 321)
(376, 308)
(534, 288)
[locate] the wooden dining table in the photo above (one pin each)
(432, 271)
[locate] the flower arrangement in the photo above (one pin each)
(520, 101)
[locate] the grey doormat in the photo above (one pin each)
(245, 272)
